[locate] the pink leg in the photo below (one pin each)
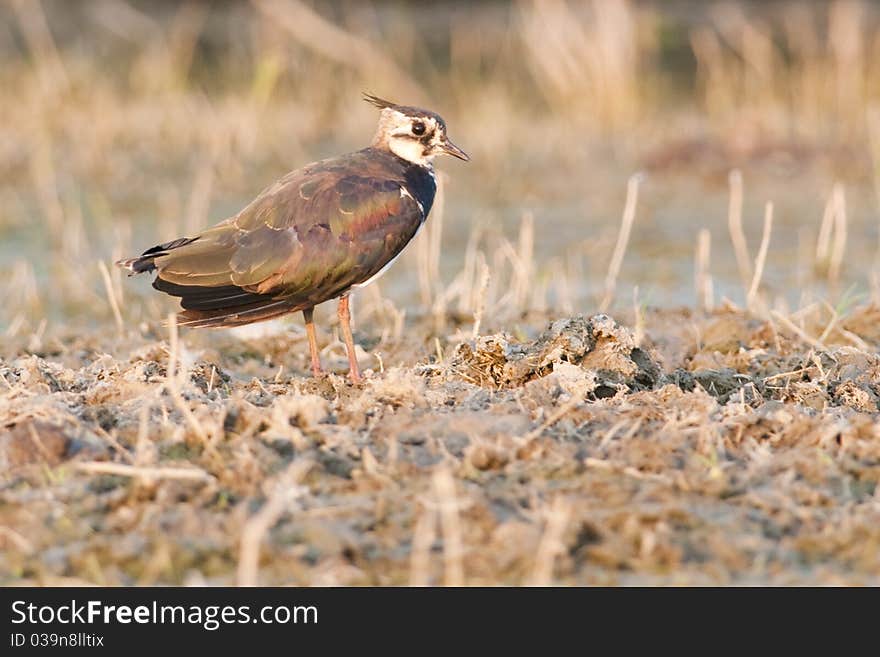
(345, 323)
(313, 341)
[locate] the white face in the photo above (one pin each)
(417, 136)
(415, 139)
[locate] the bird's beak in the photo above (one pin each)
(451, 149)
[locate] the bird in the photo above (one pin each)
(316, 234)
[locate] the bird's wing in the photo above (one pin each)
(305, 239)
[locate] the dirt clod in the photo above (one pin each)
(603, 349)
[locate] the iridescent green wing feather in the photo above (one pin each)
(307, 238)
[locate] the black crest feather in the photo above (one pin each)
(381, 103)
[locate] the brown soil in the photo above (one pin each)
(719, 449)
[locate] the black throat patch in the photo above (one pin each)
(421, 184)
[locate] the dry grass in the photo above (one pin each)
(492, 442)
(172, 125)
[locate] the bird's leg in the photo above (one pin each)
(313, 341)
(345, 323)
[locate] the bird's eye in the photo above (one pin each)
(418, 128)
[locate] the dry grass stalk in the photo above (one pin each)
(761, 258)
(873, 123)
(173, 381)
(629, 215)
(832, 323)
(481, 298)
(639, 318)
(831, 242)
(702, 277)
(838, 249)
(735, 227)
(111, 296)
(5, 381)
(38, 444)
(551, 545)
(523, 264)
(420, 557)
(450, 524)
(823, 241)
(797, 330)
(469, 273)
(173, 350)
(145, 473)
(612, 466)
(285, 489)
(855, 340)
(35, 343)
(786, 375)
(119, 449)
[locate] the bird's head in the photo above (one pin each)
(411, 133)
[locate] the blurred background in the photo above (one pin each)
(125, 122)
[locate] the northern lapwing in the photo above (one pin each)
(314, 235)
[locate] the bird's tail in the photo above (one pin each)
(145, 261)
